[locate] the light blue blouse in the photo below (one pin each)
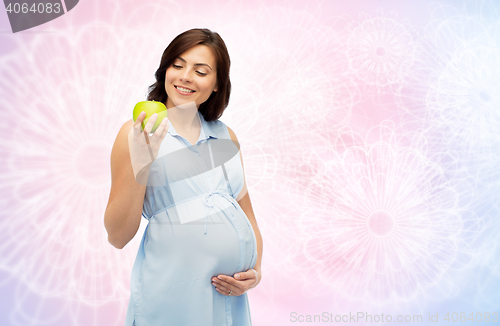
(196, 230)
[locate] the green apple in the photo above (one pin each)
(150, 107)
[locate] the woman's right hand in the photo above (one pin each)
(144, 148)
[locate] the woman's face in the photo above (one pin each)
(192, 77)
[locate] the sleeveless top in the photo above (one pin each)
(196, 230)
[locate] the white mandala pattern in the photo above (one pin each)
(380, 50)
(465, 98)
(382, 221)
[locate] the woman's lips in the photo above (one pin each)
(183, 93)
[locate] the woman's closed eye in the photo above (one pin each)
(199, 72)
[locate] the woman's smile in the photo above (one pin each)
(184, 90)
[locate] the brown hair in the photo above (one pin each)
(215, 105)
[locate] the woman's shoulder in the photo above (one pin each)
(128, 124)
(220, 128)
(232, 134)
(124, 129)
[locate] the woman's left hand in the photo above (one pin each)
(241, 283)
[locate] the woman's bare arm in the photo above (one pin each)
(124, 210)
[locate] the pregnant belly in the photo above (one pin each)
(174, 277)
(185, 251)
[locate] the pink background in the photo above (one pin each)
(369, 133)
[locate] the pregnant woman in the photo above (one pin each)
(202, 249)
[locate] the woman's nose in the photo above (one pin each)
(186, 76)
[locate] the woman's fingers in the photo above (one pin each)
(164, 133)
(137, 127)
(151, 123)
(140, 117)
(142, 147)
(225, 288)
(249, 274)
(223, 284)
(221, 288)
(161, 131)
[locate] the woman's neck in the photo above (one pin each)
(184, 117)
